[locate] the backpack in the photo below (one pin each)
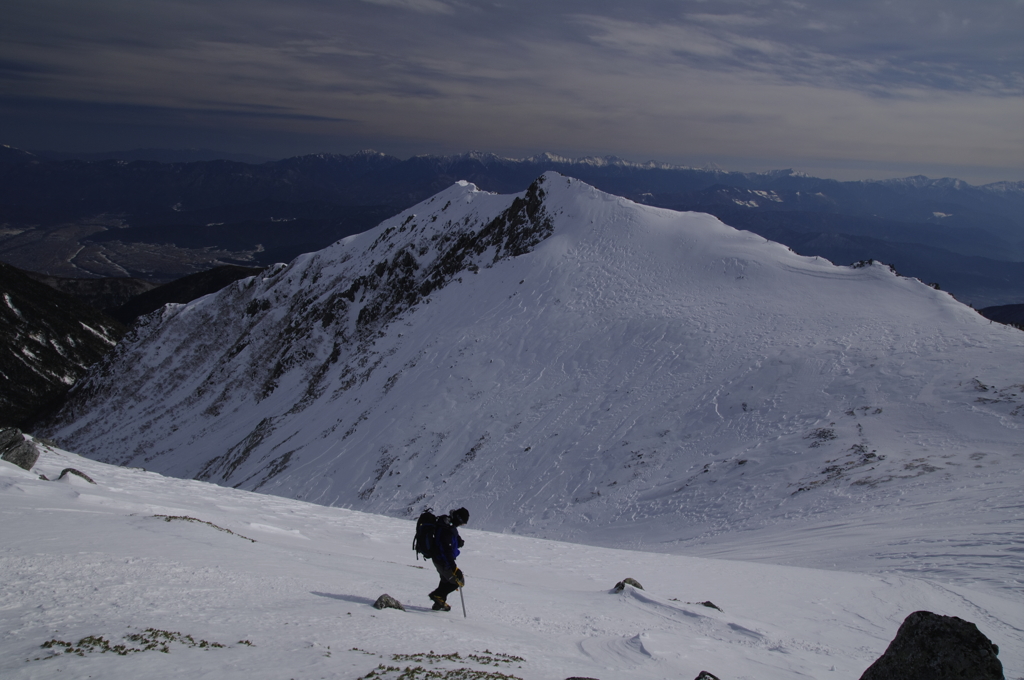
(425, 541)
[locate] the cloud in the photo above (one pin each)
(775, 46)
(424, 6)
(735, 78)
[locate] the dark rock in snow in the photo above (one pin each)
(15, 449)
(9, 436)
(385, 601)
(704, 675)
(73, 471)
(621, 585)
(711, 605)
(934, 647)
(24, 455)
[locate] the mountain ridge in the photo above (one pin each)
(168, 156)
(629, 356)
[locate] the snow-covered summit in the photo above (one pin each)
(573, 365)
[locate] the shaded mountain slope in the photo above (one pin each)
(185, 289)
(48, 341)
(569, 364)
(1009, 314)
(102, 294)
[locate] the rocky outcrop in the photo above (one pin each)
(72, 471)
(621, 585)
(14, 448)
(934, 647)
(385, 601)
(9, 436)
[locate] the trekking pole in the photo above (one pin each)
(461, 597)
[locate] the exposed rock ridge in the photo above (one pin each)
(305, 318)
(402, 280)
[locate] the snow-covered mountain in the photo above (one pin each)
(573, 365)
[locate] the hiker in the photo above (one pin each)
(447, 549)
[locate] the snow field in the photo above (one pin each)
(849, 440)
(82, 560)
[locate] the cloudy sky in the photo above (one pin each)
(837, 88)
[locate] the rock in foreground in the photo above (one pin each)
(934, 647)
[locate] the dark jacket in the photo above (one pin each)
(448, 542)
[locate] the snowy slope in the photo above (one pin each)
(288, 594)
(572, 365)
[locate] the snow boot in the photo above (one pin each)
(439, 604)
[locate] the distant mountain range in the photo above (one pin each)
(158, 155)
(160, 221)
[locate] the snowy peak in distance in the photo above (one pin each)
(604, 161)
(949, 183)
(548, 159)
(556, 161)
(568, 364)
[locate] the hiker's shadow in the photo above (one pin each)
(347, 598)
(357, 599)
